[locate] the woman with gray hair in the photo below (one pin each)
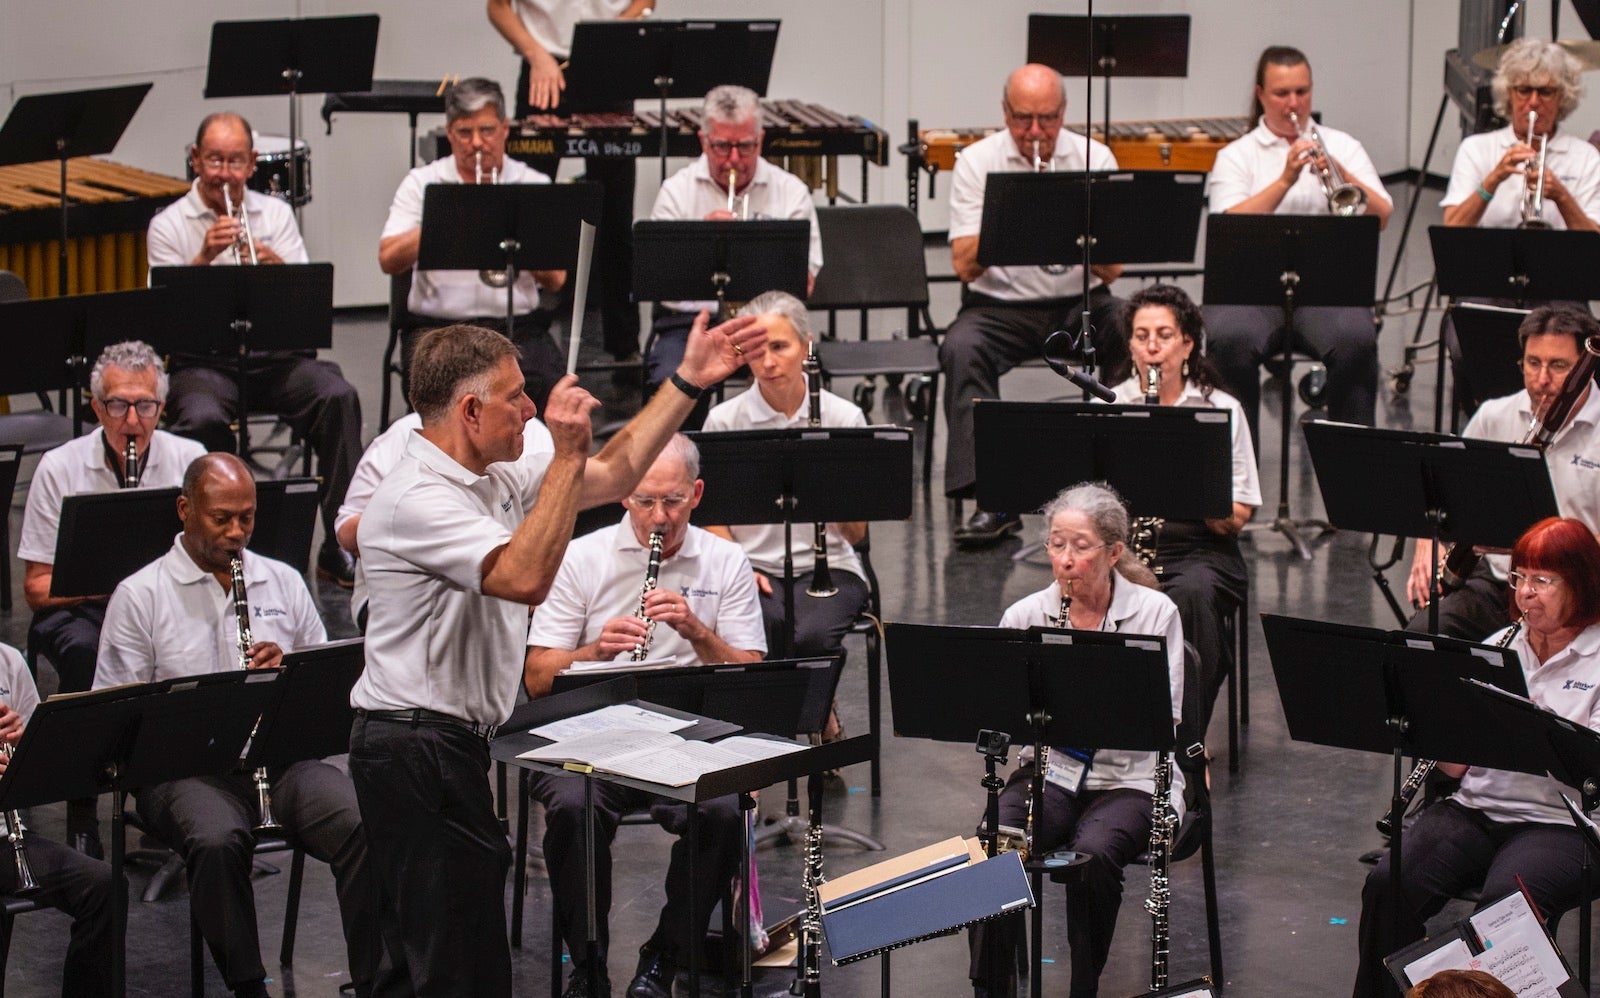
(1095, 802)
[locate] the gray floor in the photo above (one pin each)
(1289, 827)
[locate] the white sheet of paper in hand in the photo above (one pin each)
(613, 718)
(1516, 949)
(1452, 956)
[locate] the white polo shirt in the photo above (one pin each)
(18, 692)
(1573, 456)
(997, 153)
(1574, 161)
(602, 575)
(1246, 481)
(78, 467)
(1569, 684)
(457, 294)
(550, 22)
(1249, 164)
(435, 640)
(763, 543)
(1134, 610)
(178, 232)
(386, 451)
(172, 618)
(690, 195)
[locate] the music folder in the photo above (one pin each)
(1505, 939)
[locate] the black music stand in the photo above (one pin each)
(313, 703)
(1400, 694)
(62, 125)
(1143, 46)
(86, 744)
(1101, 691)
(512, 227)
(409, 97)
(616, 62)
(293, 56)
(729, 261)
(1479, 492)
(1490, 355)
(1291, 261)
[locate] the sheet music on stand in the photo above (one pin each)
(1505, 939)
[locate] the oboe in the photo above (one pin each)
(1163, 826)
(1042, 764)
(641, 651)
(1425, 767)
(241, 610)
(821, 577)
(130, 465)
(1152, 386)
(15, 834)
(810, 880)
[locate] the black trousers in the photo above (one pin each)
(311, 395)
(1208, 582)
(716, 861)
(440, 858)
(990, 337)
(209, 820)
(1450, 849)
(819, 624)
(1474, 611)
(81, 887)
(1113, 827)
(70, 638)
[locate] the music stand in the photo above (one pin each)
(1142, 46)
(1479, 492)
(313, 702)
(62, 125)
(1291, 261)
(1490, 354)
(728, 261)
(409, 97)
(613, 62)
(512, 227)
(116, 740)
(1100, 691)
(293, 56)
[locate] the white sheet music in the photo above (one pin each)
(616, 717)
(620, 665)
(1453, 956)
(1516, 950)
(683, 764)
(602, 749)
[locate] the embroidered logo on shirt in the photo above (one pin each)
(269, 611)
(505, 507)
(1577, 684)
(1579, 461)
(696, 591)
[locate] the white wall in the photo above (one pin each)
(1378, 66)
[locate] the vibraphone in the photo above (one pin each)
(109, 208)
(805, 139)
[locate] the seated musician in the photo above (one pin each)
(176, 617)
(1006, 312)
(127, 388)
(1274, 171)
(701, 609)
(1198, 562)
(1103, 809)
(310, 394)
(1505, 831)
(383, 456)
(1489, 183)
(1552, 338)
(779, 399)
(476, 126)
(77, 885)
(730, 144)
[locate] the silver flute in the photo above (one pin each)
(641, 651)
(241, 610)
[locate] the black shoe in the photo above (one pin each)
(654, 979)
(88, 843)
(578, 985)
(1008, 989)
(336, 566)
(984, 528)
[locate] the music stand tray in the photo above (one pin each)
(467, 226)
(1139, 216)
(730, 261)
(826, 475)
(1523, 264)
(305, 55)
(617, 61)
(313, 704)
(227, 310)
(1125, 45)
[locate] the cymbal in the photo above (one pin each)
(1586, 51)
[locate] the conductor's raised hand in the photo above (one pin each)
(714, 353)
(566, 413)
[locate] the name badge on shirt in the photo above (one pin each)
(1068, 768)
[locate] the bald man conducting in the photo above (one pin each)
(1006, 312)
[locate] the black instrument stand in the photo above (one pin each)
(1294, 261)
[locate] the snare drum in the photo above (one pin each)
(271, 175)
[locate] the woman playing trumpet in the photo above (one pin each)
(1502, 829)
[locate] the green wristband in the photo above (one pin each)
(1484, 194)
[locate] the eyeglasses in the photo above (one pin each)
(1049, 120)
(484, 132)
(1545, 93)
(1538, 583)
(118, 408)
(216, 161)
(723, 147)
(1557, 368)
(647, 504)
(1079, 549)
(1163, 336)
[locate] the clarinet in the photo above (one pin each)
(1042, 764)
(15, 834)
(821, 578)
(811, 879)
(130, 465)
(1163, 826)
(1152, 386)
(1145, 531)
(1424, 767)
(641, 651)
(241, 609)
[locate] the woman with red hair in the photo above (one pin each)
(1502, 829)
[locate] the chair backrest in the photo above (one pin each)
(400, 316)
(872, 257)
(12, 287)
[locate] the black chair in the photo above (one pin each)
(874, 258)
(869, 624)
(10, 462)
(1236, 628)
(401, 321)
(12, 905)
(46, 427)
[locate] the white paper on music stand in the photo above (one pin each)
(1453, 956)
(617, 717)
(1516, 950)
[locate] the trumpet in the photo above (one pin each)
(641, 651)
(16, 835)
(822, 585)
(1533, 192)
(1344, 198)
(244, 242)
(742, 213)
(493, 278)
(241, 610)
